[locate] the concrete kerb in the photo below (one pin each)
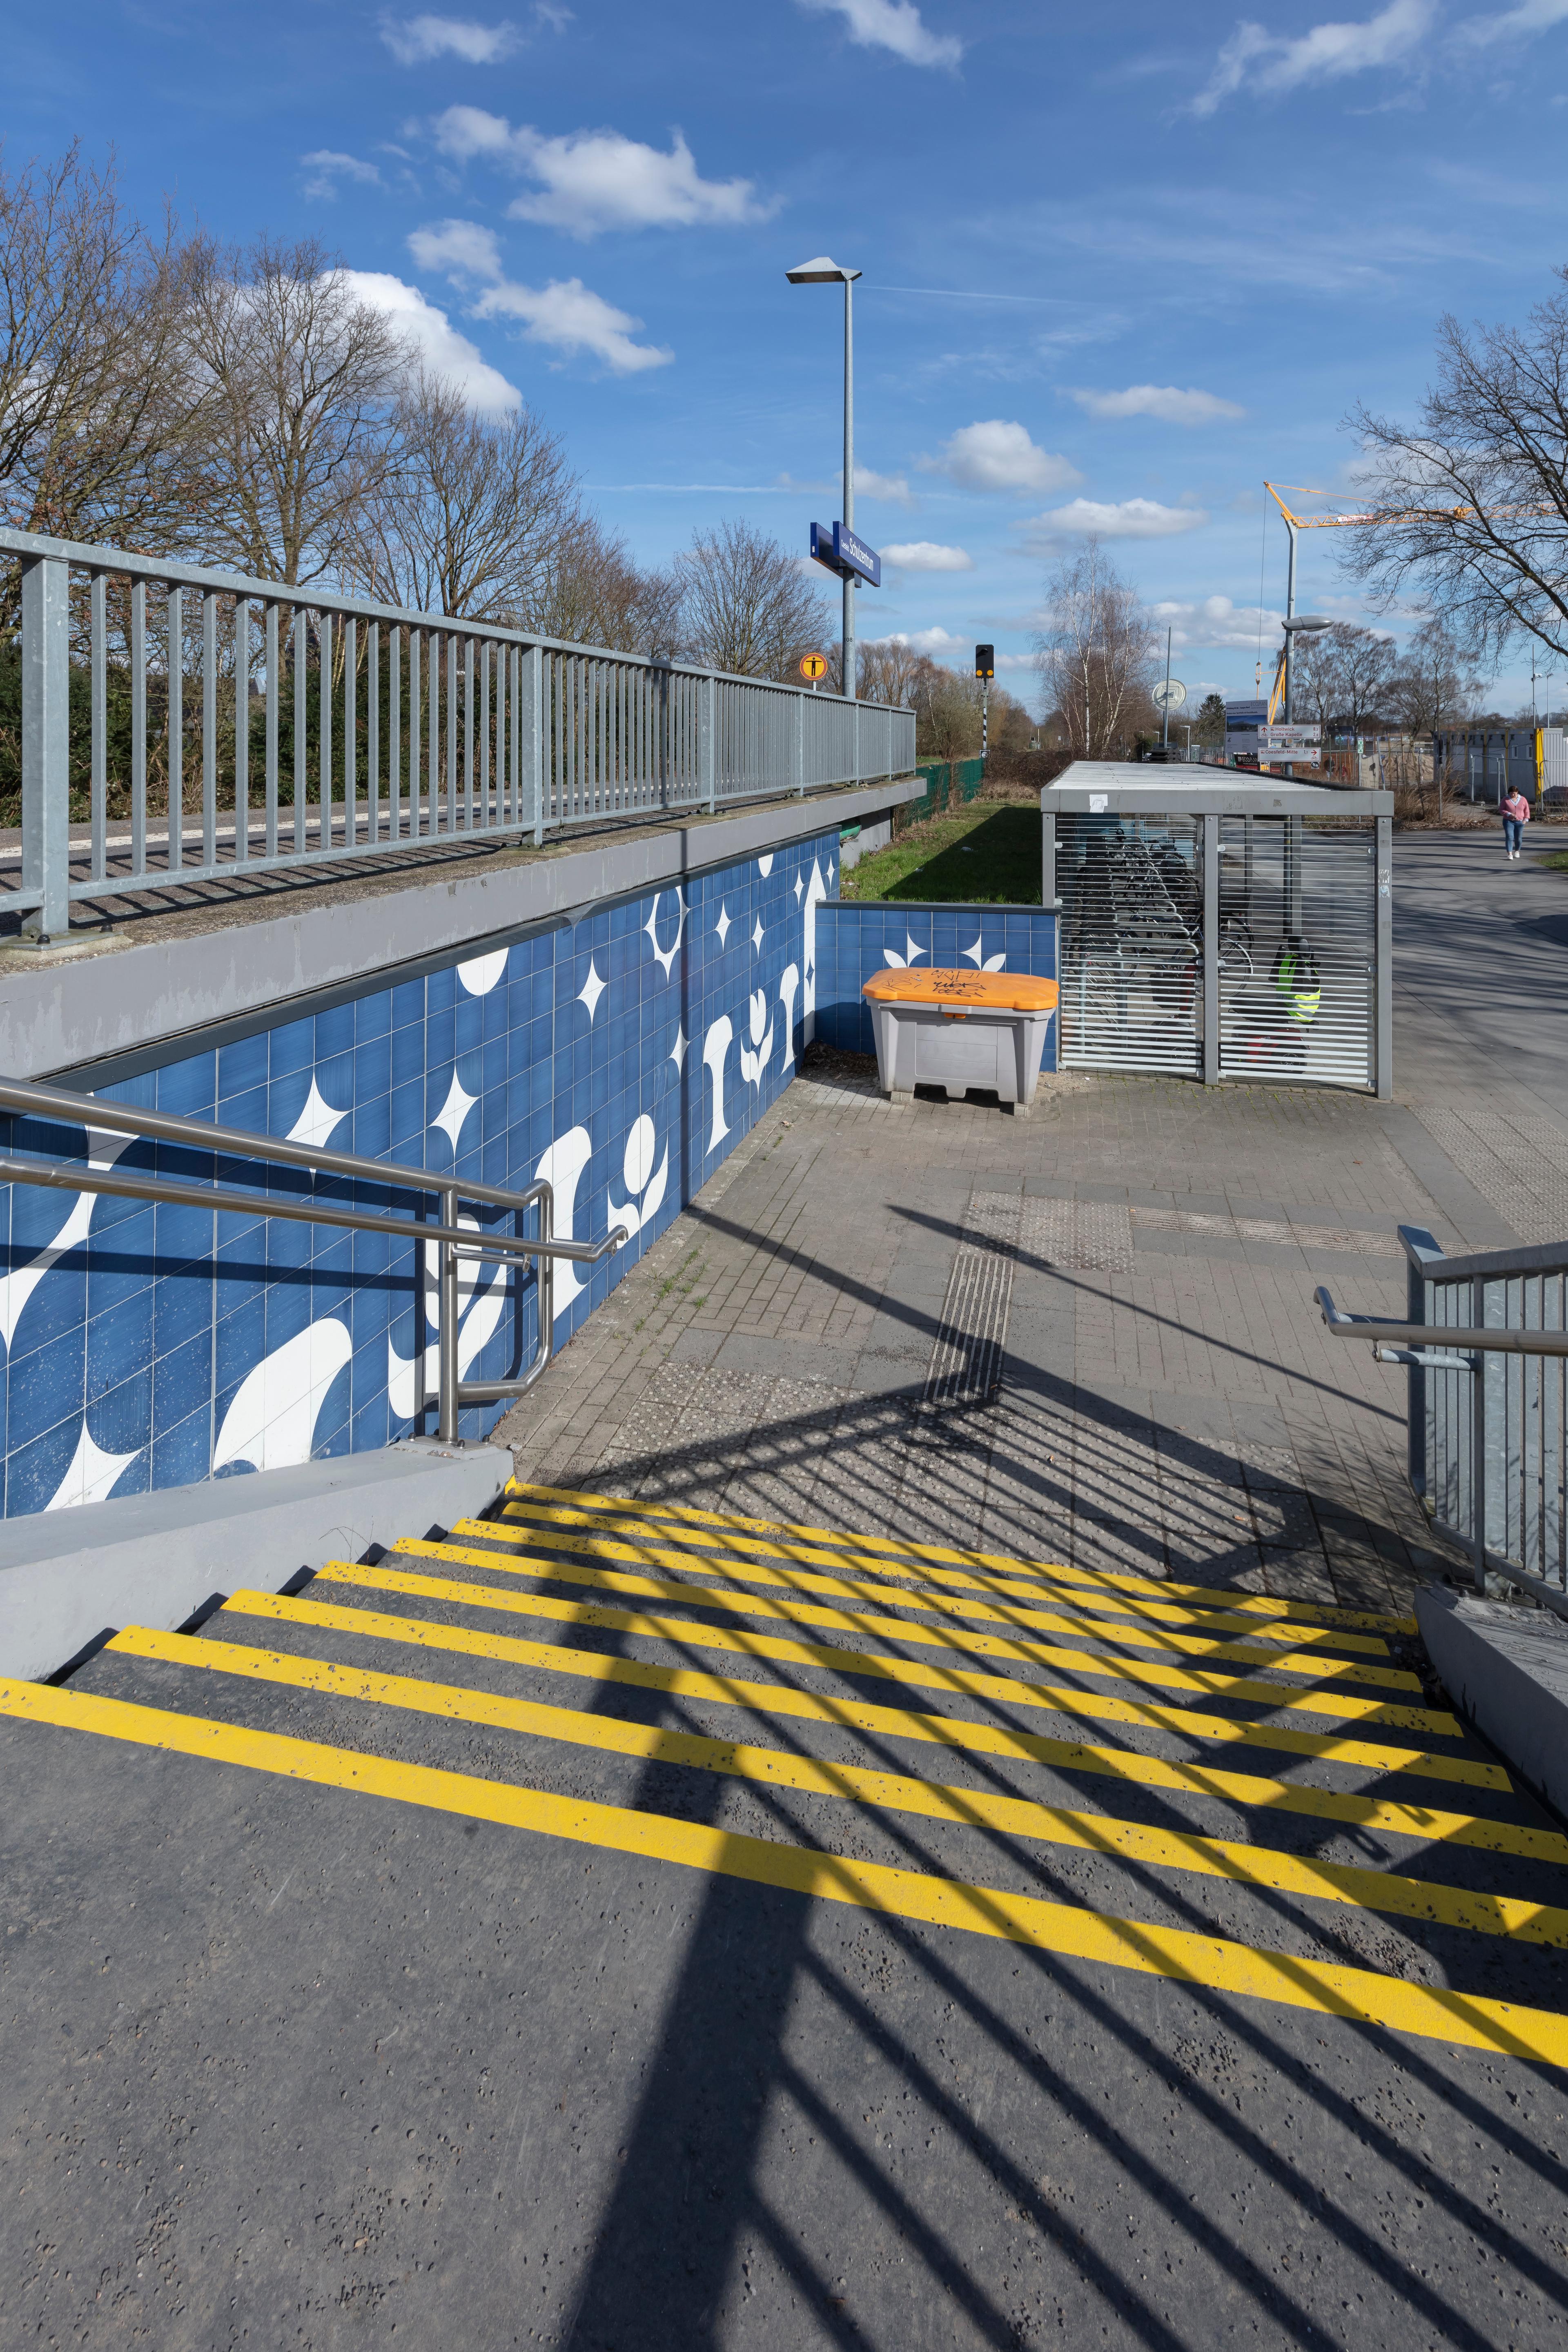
(68, 1577)
(1506, 1670)
(63, 1019)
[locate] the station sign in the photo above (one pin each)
(1290, 742)
(838, 550)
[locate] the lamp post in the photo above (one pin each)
(824, 272)
(1310, 625)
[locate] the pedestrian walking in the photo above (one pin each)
(1515, 817)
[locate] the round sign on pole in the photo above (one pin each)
(1170, 694)
(814, 665)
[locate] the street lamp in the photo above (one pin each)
(1309, 624)
(824, 272)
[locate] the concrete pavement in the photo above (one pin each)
(295, 2060)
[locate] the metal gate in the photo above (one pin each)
(1131, 943)
(1298, 951)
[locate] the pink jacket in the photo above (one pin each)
(1516, 806)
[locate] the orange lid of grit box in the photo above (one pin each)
(964, 991)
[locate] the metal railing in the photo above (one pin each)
(1484, 1343)
(455, 1244)
(322, 728)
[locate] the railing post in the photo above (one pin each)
(46, 745)
(800, 747)
(1479, 1442)
(532, 720)
(1383, 978)
(448, 1311)
(1420, 1249)
(1211, 948)
(707, 753)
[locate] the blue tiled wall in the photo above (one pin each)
(856, 937)
(623, 1055)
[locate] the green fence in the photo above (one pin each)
(949, 783)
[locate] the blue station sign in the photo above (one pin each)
(840, 550)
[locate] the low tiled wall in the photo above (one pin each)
(855, 937)
(622, 1056)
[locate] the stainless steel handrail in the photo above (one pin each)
(1383, 1331)
(1486, 1470)
(455, 1242)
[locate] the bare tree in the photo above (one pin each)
(592, 594)
(1434, 685)
(886, 670)
(947, 714)
(1096, 658)
(302, 381)
(1345, 675)
(93, 402)
(1472, 502)
(748, 607)
(468, 518)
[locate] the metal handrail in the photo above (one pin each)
(505, 733)
(1382, 1331)
(313, 595)
(457, 1243)
(1487, 1467)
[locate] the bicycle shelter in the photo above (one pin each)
(1217, 926)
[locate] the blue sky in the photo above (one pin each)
(1118, 267)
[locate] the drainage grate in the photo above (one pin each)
(967, 1359)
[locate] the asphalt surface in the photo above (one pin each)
(314, 2062)
(1478, 949)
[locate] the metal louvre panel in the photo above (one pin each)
(1524, 1413)
(1296, 877)
(1131, 943)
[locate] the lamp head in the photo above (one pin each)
(1307, 623)
(820, 272)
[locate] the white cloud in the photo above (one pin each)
(893, 24)
(596, 180)
(1162, 400)
(416, 40)
(1263, 61)
(890, 487)
(566, 314)
(440, 345)
(458, 248)
(935, 642)
(994, 456)
(1516, 25)
(926, 555)
(1128, 519)
(1215, 622)
(327, 167)
(569, 315)
(1016, 661)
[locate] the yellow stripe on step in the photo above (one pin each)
(1212, 1962)
(538, 1520)
(1258, 1605)
(892, 1792)
(1283, 1697)
(801, 1613)
(1119, 1763)
(857, 1714)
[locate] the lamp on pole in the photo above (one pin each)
(1309, 624)
(824, 272)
